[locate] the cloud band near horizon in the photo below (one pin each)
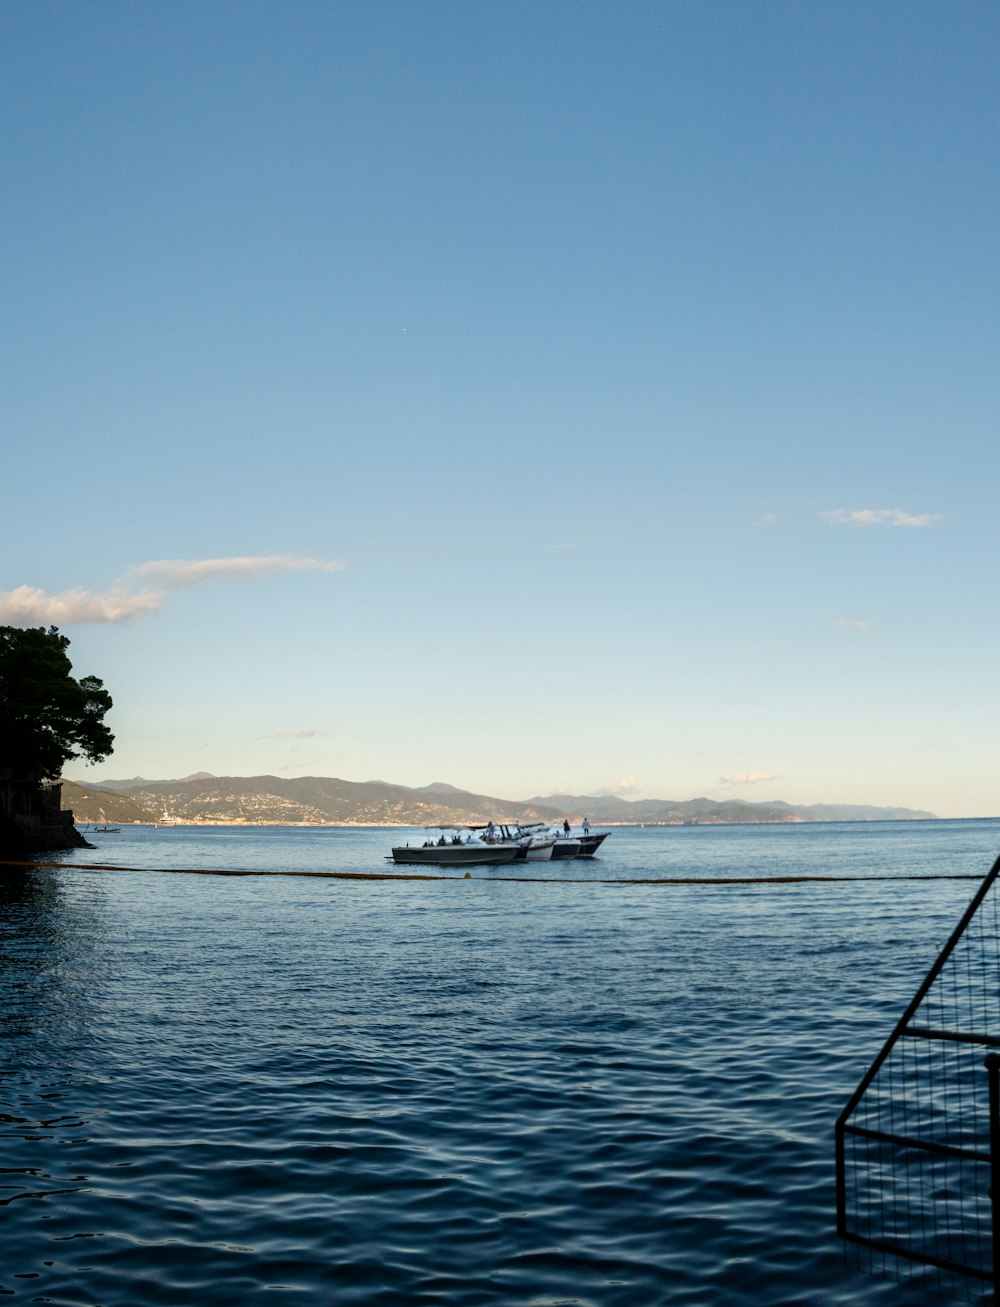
(30, 606)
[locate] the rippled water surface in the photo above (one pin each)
(579, 1090)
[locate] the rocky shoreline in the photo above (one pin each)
(32, 819)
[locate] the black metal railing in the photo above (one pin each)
(918, 1144)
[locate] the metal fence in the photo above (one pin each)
(918, 1145)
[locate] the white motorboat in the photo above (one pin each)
(540, 841)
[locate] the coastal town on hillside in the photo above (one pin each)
(328, 801)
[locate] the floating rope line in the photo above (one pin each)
(507, 880)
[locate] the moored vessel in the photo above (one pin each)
(566, 843)
(459, 847)
(556, 842)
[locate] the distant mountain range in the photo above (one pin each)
(324, 800)
(671, 812)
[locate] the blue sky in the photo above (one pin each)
(567, 396)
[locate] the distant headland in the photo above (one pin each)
(324, 800)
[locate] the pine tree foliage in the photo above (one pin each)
(47, 716)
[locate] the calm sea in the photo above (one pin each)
(580, 1090)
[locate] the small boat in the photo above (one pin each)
(583, 845)
(106, 830)
(459, 847)
(472, 846)
(541, 846)
(534, 841)
(544, 841)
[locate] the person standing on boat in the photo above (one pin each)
(586, 826)
(491, 832)
(565, 825)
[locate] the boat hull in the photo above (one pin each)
(589, 844)
(578, 846)
(540, 852)
(455, 855)
(565, 849)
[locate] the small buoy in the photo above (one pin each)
(468, 875)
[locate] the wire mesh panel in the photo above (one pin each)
(916, 1143)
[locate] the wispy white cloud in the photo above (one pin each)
(29, 606)
(853, 623)
(749, 778)
(769, 519)
(174, 572)
(878, 517)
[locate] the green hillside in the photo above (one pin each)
(98, 805)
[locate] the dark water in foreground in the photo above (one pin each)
(459, 1092)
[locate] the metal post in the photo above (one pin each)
(992, 1062)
